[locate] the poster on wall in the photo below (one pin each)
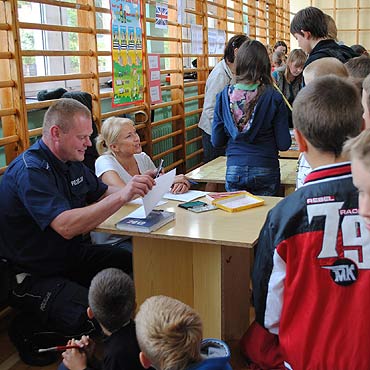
(196, 31)
(216, 41)
(127, 52)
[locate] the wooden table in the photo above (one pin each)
(215, 172)
(289, 154)
(201, 259)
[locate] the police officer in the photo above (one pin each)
(48, 201)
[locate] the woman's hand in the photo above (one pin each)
(152, 173)
(180, 185)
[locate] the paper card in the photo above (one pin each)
(153, 61)
(154, 75)
(155, 94)
(163, 185)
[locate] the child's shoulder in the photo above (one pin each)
(122, 348)
(271, 94)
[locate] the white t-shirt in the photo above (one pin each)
(108, 162)
(303, 170)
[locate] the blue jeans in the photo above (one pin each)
(256, 180)
(209, 151)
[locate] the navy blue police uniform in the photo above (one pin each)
(53, 273)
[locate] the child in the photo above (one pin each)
(169, 333)
(311, 273)
(358, 68)
(289, 77)
(310, 27)
(359, 49)
(251, 118)
(278, 60)
(366, 101)
(221, 75)
(281, 46)
(358, 149)
(112, 302)
(320, 67)
(323, 67)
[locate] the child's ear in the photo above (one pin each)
(363, 126)
(90, 314)
(144, 360)
(301, 140)
(306, 34)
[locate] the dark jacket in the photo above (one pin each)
(258, 146)
(216, 356)
(329, 48)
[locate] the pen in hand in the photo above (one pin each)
(160, 168)
(58, 348)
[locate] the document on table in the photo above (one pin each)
(186, 197)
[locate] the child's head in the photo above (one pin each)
(359, 49)
(234, 43)
(332, 28)
(366, 100)
(295, 63)
(112, 298)
(281, 46)
(278, 58)
(327, 112)
(307, 25)
(358, 67)
(169, 333)
(252, 64)
(358, 149)
(323, 67)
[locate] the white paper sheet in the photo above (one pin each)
(186, 197)
(138, 213)
(139, 201)
(162, 186)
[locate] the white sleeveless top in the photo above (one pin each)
(108, 162)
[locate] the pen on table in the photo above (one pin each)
(160, 168)
(58, 348)
(192, 182)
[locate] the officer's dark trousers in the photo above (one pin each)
(59, 302)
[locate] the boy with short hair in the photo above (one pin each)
(310, 27)
(366, 101)
(323, 67)
(318, 68)
(358, 69)
(358, 149)
(111, 302)
(169, 333)
(311, 275)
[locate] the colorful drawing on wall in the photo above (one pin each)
(127, 52)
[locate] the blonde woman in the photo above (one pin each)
(121, 156)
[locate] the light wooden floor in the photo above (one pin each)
(9, 359)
